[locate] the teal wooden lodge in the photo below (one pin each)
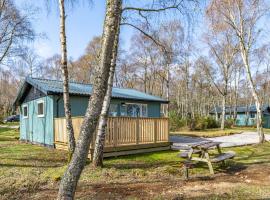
(40, 102)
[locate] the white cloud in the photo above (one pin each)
(43, 49)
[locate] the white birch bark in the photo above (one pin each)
(64, 69)
(101, 131)
(254, 94)
(223, 113)
(72, 174)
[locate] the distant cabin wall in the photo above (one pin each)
(266, 120)
(244, 120)
(34, 128)
(79, 105)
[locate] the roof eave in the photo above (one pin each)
(136, 99)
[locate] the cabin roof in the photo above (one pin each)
(240, 109)
(48, 86)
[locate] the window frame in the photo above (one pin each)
(110, 110)
(146, 111)
(252, 115)
(25, 106)
(140, 106)
(39, 102)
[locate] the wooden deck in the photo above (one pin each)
(124, 135)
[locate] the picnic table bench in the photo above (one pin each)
(201, 150)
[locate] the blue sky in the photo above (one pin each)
(84, 21)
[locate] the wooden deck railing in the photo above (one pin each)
(121, 130)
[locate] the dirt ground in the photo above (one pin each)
(238, 184)
(33, 172)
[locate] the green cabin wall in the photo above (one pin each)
(38, 129)
(79, 105)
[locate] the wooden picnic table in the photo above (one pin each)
(201, 149)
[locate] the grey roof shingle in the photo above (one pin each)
(48, 86)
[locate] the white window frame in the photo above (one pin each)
(38, 102)
(25, 106)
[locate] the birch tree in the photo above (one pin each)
(72, 174)
(223, 50)
(102, 124)
(243, 16)
(65, 79)
(15, 29)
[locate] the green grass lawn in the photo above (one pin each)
(33, 172)
(216, 132)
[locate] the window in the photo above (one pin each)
(134, 110)
(144, 110)
(25, 111)
(252, 115)
(40, 110)
(113, 110)
(123, 109)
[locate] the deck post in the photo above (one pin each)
(155, 131)
(137, 131)
(115, 132)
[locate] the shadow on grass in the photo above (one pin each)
(6, 139)
(4, 129)
(231, 168)
(143, 165)
(30, 165)
(42, 159)
(254, 158)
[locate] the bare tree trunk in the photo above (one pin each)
(236, 82)
(187, 88)
(101, 132)
(70, 179)
(168, 87)
(254, 94)
(70, 131)
(222, 125)
(216, 113)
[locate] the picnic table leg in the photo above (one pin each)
(219, 151)
(210, 166)
(186, 172)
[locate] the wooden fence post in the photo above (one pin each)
(115, 132)
(137, 131)
(155, 131)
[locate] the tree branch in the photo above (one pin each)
(176, 6)
(158, 43)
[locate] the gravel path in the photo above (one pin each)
(244, 138)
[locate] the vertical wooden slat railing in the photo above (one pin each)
(121, 130)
